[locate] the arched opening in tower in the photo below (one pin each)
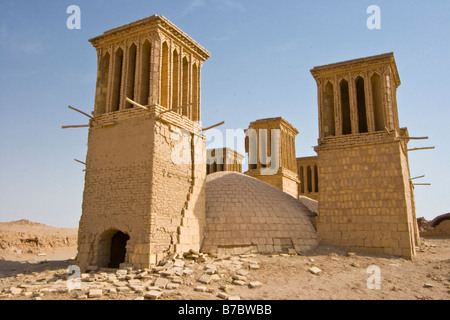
(377, 102)
(361, 105)
(328, 111)
(118, 249)
(345, 105)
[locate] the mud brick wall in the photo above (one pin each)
(178, 196)
(117, 194)
(365, 199)
(133, 186)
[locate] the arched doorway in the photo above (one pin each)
(118, 249)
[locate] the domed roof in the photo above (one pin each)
(244, 212)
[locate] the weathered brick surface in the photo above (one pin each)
(132, 186)
(117, 193)
(364, 201)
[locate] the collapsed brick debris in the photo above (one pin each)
(215, 275)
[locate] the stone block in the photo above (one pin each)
(161, 282)
(153, 295)
(200, 288)
(315, 270)
(95, 293)
(206, 279)
(255, 284)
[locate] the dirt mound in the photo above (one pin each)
(24, 236)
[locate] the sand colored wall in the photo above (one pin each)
(117, 194)
(178, 202)
(364, 201)
(133, 186)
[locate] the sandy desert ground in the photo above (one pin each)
(34, 262)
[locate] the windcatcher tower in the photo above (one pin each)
(140, 204)
(270, 144)
(366, 198)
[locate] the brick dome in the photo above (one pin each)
(244, 213)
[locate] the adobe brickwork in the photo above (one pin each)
(245, 215)
(132, 184)
(366, 198)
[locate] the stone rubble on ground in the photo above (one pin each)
(217, 275)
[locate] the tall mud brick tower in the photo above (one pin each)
(140, 203)
(366, 198)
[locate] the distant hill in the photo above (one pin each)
(24, 236)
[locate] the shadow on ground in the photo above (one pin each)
(12, 268)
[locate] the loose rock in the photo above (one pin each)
(206, 279)
(239, 282)
(154, 295)
(255, 284)
(315, 270)
(161, 282)
(95, 293)
(223, 295)
(200, 288)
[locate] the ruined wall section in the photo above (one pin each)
(178, 196)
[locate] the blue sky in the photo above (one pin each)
(261, 54)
